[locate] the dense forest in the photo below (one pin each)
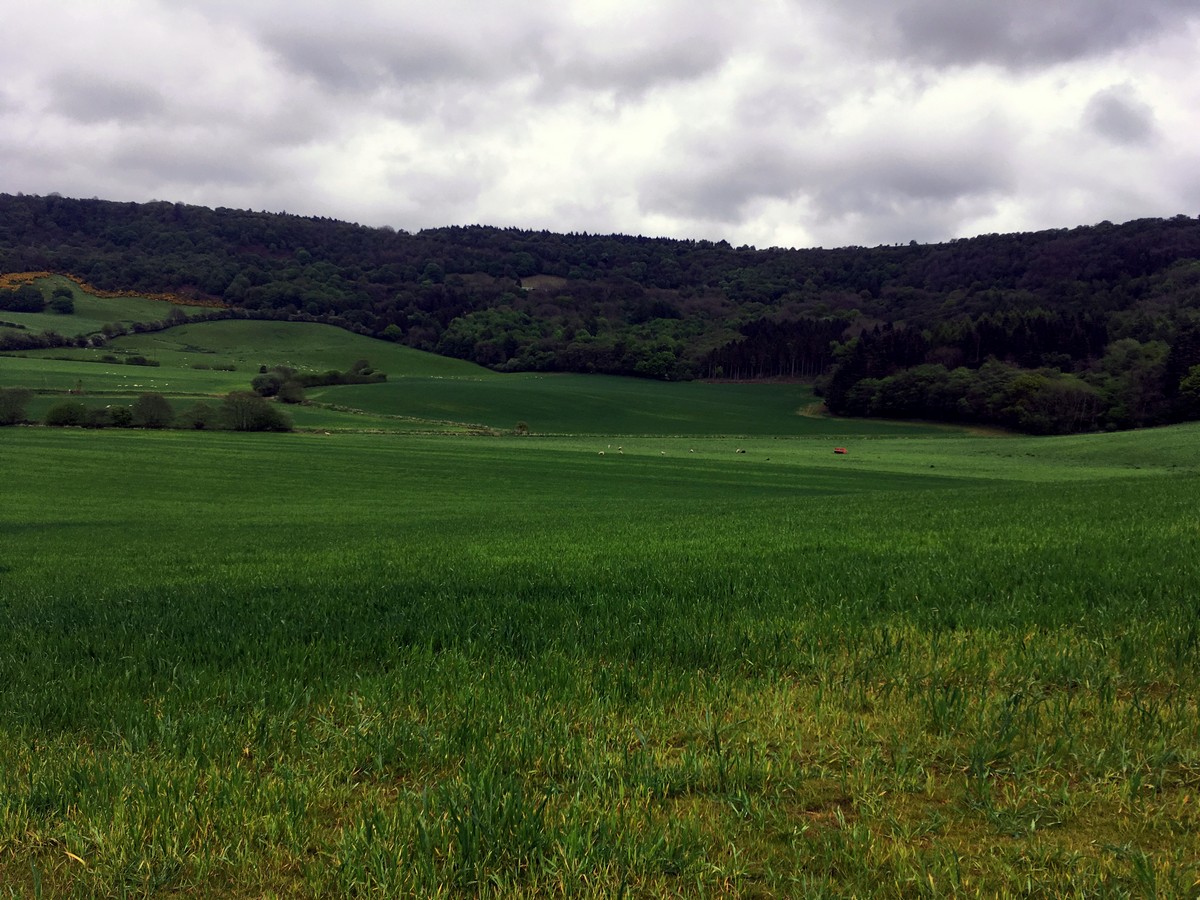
(1054, 331)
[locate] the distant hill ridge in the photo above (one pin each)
(1068, 329)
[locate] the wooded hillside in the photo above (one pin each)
(1070, 329)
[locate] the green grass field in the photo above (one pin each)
(384, 664)
(392, 655)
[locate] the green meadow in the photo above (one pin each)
(421, 656)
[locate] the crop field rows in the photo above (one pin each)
(388, 664)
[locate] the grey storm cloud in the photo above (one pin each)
(1117, 114)
(186, 158)
(359, 60)
(90, 98)
(876, 170)
(1017, 33)
(876, 182)
(476, 46)
(897, 199)
(717, 182)
(663, 46)
(631, 71)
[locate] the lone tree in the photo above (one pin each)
(12, 405)
(152, 411)
(199, 416)
(271, 382)
(291, 392)
(62, 300)
(246, 411)
(267, 384)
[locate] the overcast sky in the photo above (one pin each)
(774, 123)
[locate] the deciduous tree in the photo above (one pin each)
(152, 411)
(13, 402)
(247, 411)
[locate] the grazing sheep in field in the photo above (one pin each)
(601, 452)
(739, 450)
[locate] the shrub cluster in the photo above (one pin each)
(247, 411)
(288, 385)
(238, 411)
(25, 298)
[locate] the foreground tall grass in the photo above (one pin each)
(238, 665)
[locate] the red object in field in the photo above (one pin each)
(839, 449)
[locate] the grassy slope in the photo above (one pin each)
(91, 312)
(308, 347)
(425, 390)
(424, 664)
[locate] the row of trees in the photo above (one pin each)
(1041, 401)
(237, 411)
(901, 372)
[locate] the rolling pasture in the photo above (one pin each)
(423, 391)
(92, 313)
(615, 657)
